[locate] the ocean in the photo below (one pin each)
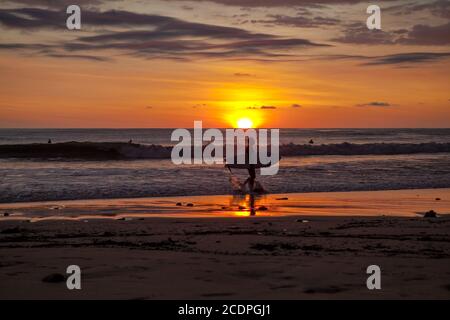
(339, 160)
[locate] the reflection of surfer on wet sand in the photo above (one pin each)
(245, 202)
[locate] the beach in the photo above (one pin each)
(290, 246)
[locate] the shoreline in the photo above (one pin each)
(406, 203)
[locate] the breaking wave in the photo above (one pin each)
(121, 151)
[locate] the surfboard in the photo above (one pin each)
(248, 165)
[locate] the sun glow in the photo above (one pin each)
(244, 123)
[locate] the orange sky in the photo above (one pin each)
(402, 83)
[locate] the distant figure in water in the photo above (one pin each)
(49, 141)
(130, 142)
(311, 141)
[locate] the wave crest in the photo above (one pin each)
(117, 150)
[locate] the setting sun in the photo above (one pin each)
(244, 123)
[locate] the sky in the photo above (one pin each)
(280, 63)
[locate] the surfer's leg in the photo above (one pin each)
(251, 184)
(251, 179)
(252, 172)
(245, 183)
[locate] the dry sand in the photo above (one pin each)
(267, 256)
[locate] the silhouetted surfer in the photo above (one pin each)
(251, 169)
(49, 141)
(251, 179)
(250, 185)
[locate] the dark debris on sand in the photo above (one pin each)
(430, 214)
(54, 278)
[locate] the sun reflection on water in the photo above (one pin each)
(247, 204)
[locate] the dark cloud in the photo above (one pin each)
(400, 59)
(239, 74)
(45, 18)
(165, 37)
(32, 18)
(190, 49)
(296, 105)
(271, 43)
(62, 4)
(427, 35)
(170, 38)
(199, 105)
(407, 58)
(268, 107)
(279, 3)
(262, 108)
(24, 46)
(374, 104)
(77, 56)
(358, 33)
(300, 21)
(48, 51)
(439, 8)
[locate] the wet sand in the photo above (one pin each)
(310, 246)
(404, 203)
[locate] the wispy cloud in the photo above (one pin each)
(199, 105)
(279, 3)
(427, 35)
(407, 58)
(358, 33)
(149, 36)
(167, 37)
(240, 74)
(262, 108)
(268, 107)
(375, 104)
(300, 21)
(439, 8)
(57, 3)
